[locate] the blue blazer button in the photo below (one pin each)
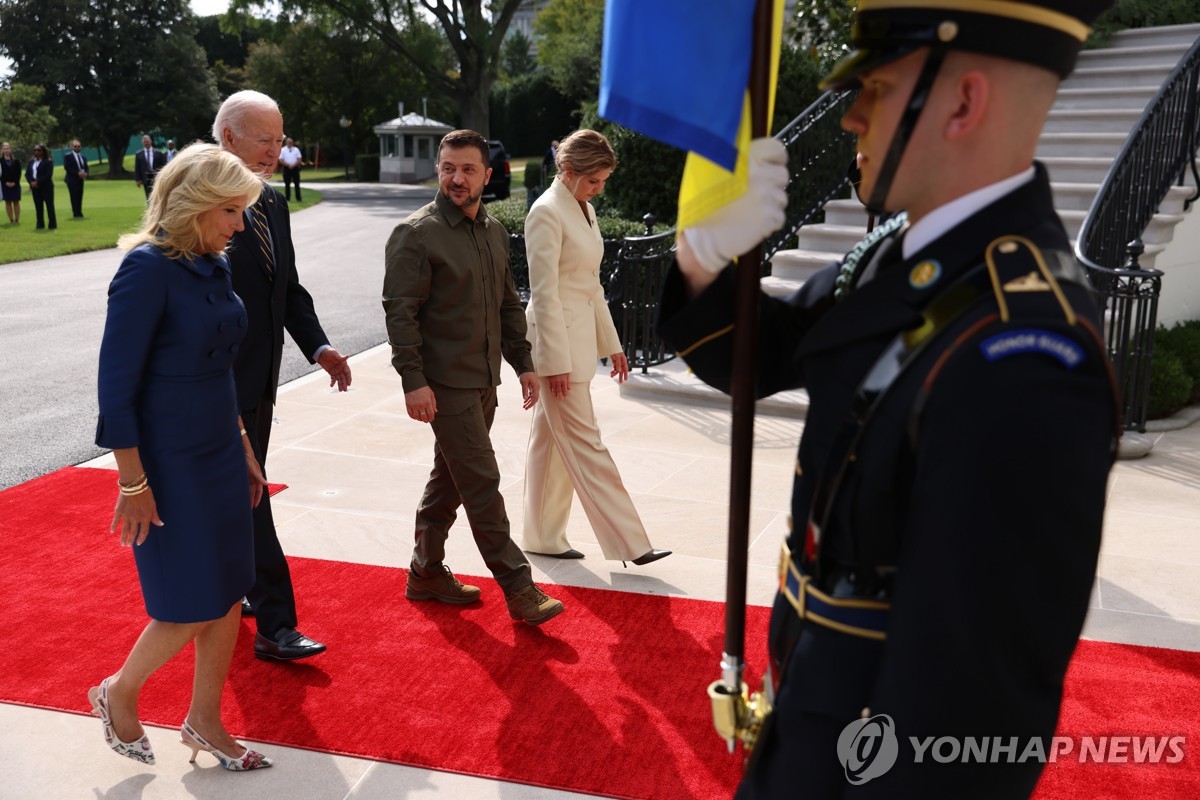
(212, 298)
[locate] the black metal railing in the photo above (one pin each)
(819, 158)
(1160, 151)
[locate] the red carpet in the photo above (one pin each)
(607, 699)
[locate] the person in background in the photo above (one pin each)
(249, 125)
(452, 311)
(187, 474)
(75, 171)
(958, 338)
(146, 164)
(170, 150)
(571, 327)
(290, 161)
(549, 162)
(10, 183)
(40, 174)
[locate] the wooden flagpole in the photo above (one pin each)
(745, 372)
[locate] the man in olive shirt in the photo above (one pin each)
(452, 312)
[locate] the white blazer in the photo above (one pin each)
(570, 326)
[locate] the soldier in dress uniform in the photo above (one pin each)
(950, 484)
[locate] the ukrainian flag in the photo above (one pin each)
(678, 71)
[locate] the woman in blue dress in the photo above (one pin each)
(188, 478)
(10, 183)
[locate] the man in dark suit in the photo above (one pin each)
(75, 169)
(937, 575)
(146, 165)
(263, 262)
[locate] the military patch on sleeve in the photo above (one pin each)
(1032, 340)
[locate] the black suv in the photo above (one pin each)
(500, 185)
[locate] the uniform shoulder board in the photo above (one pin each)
(1018, 267)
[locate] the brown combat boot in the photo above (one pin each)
(532, 605)
(440, 585)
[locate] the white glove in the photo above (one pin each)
(734, 229)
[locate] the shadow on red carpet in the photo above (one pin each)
(607, 699)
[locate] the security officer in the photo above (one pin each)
(949, 489)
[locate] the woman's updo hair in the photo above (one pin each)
(584, 152)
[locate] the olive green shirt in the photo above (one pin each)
(449, 301)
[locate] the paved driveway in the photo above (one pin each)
(53, 317)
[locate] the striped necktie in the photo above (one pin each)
(262, 236)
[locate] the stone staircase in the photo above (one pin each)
(1095, 110)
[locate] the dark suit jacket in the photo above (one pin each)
(273, 303)
(72, 168)
(145, 172)
(40, 171)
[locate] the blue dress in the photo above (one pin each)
(166, 387)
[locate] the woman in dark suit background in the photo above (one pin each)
(10, 183)
(40, 174)
(169, 412)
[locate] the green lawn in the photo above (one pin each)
(110, 208)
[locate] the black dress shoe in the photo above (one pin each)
(572, 553)
(288, 644)
(653, 555)
(247, 609)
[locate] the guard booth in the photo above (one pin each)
(408, 148)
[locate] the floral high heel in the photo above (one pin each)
(139, 750)
(248, 760)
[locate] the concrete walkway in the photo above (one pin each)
(355, 465)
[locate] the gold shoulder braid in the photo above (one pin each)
(848, 274)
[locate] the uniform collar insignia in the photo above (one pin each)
(1031, 282)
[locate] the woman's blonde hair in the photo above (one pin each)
(585, 151)
(199, 178)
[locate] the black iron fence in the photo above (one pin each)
(634, 268)
(1159, 153)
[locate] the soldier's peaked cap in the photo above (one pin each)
(1046, 33)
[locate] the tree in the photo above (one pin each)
(569, 34)
(144, 72)
(474, 35)
(822, 27)
(24, 121)
(322, 69)
(516, 56)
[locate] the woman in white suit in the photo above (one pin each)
(571, 329)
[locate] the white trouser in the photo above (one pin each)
(565, 454)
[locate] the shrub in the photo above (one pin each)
(533, 175)
(510, 212)
(1183, 342)
(1142, 14)
(1170, 385)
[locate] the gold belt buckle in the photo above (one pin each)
(786, 565)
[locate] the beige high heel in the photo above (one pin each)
(139, 750)
(246, 761)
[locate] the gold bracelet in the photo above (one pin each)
(131, 491)
(138, 480)
(243, 431)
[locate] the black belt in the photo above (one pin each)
(857, 616)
